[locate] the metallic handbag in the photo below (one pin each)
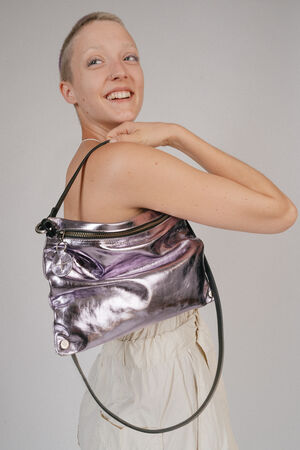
(109, 279)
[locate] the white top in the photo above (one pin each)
(90, 139)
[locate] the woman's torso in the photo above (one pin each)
(97, 203)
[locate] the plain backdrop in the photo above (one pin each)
(229, 72)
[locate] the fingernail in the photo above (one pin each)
(113, 140)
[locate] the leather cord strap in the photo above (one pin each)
(45, 226)
(214, 384)
(55, 210)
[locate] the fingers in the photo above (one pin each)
(123, 138)
(122, 129)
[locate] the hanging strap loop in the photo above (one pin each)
(45, 226)
(215, 381)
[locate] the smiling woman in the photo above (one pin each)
(159, 374)
(100, 57)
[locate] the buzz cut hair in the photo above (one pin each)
(65, 55)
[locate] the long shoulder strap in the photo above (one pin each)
(214, 383)
(55, 209)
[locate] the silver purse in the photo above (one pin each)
(109, 279)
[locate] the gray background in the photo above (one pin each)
(229, 72)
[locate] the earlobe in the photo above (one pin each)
(67, 92)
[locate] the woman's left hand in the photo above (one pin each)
(147, 133)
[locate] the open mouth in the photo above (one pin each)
(119, 97)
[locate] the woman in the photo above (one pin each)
(158, 375)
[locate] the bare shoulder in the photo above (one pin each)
(148, 177)
(95, 195)
(94, 162)
(132, 156)
(152, 178)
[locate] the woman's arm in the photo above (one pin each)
(217, 162)
(230, 195)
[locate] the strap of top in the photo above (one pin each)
(55, 209)
(89, 139)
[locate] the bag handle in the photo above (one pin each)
(216, 379)
(45, 226)
(55, 209)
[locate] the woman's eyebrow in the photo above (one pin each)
(126, 44)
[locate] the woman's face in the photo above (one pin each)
(105, 58)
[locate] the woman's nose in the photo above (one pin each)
(120, 74)
(118, 71)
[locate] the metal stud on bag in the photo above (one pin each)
(64, 344)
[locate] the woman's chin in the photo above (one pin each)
(124, 116)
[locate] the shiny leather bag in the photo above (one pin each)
(109, 279)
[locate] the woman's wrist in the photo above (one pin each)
(173, 135)
(184, 140)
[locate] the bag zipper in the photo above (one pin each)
(65, 233)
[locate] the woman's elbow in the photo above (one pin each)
(286, 216)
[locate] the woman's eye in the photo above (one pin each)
(92, 61)
(133, 56)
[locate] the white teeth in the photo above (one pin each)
(119, 94)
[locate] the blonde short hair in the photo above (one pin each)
(66, 49)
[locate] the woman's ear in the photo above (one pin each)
(67, 92)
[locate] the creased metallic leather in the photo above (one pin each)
(116, 285)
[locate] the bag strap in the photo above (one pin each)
(55, 209)
(216, 379)
(43, 226)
